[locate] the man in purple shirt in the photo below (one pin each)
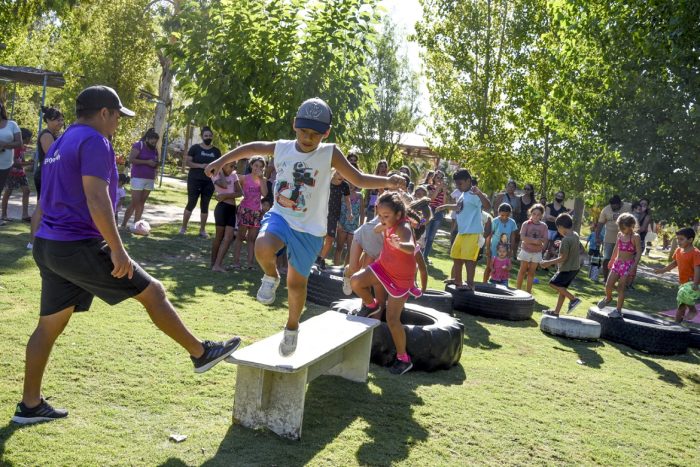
(79, 252)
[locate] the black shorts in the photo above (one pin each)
(73, 273)
(563, 278)
(225, 214)
(332, 226)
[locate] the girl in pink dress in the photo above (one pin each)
(394, 271)
(254, 188)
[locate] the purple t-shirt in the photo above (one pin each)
(145, 153)
(80, 151)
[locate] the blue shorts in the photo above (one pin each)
(302, 247)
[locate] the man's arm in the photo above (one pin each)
(362, 180)
(245, 151)
(102, 214)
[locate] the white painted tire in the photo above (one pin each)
(571, 326)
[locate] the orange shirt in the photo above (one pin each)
(687, 262)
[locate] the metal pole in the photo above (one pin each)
(164, 148)
(43, 100)
(14, 96)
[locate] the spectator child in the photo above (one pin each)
(623, 263)
(339, 194)
(349, 221)
(501, 225)
(227, 188)
(254, 188)
(121, 194)
(687, 259)
(17, 178)
(500, 265)
(394, 271)
(465, 249)
(533, 238)
(568, 264)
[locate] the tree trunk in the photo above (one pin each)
(578, 213)
(545, 164)
(164, 94)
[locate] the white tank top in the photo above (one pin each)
(302, 186)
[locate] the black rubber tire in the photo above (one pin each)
(434, 340)
(694, 338)
(493, 301)
(435, 299)
(325, 286)
(642, 331)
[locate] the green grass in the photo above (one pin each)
(517, 397)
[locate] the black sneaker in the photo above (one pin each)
(41, 413)
(367, 312)
(214, 352)
(321, 263)
(573, 304)
(399, 367)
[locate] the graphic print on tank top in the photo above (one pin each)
(293, 196)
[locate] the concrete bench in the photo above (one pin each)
(271, 389)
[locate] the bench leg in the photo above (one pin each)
(268, 399)
(355, 363)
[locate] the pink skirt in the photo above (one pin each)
(397, 289)
(622, 267)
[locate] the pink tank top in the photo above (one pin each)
(251, 194)
(398, 264)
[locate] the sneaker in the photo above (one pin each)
(573, 304)
(615, 314)
(321, 263)
(41, 413)
(347, 288)
(603, 303)
(30, 246)
(550, 313)
(399, 367)
(267, 290)
(369, 312)
(182, 231)
(214, 352)
(289, 342)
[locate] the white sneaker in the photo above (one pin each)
(289, 342)
(30, 246)
(347, 288)
(266, 292)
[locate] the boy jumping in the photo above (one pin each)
(79, 252)
(298, 218)
(465, 248)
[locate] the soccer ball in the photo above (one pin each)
(141, 228)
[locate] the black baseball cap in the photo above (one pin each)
(98, 97)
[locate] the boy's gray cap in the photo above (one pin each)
(99, 97)
(314, 114)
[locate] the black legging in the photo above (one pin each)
(3, 177)
(195, 188)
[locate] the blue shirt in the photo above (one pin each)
(469, 214)
(593, 241)
(499, 228)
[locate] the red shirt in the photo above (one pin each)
(687, 262)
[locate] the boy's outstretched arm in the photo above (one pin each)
(362, 180)
(669, 267)
(245, 151)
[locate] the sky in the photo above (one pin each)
(405, 13)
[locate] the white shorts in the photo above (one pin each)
(530, 257)
(138, 184)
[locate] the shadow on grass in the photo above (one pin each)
(6, 433)
(333, 404)
(584, 349)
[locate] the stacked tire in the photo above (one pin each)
(493, 301)
(642, 331)
(571, 327)
(436, 299)
(325, 286)
(434, 340)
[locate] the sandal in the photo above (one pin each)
(550, 313)
(234, 266)
(448, 281)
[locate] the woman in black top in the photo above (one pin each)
(198, 184)
(54, 123)
(527, 200)
(551, 211)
